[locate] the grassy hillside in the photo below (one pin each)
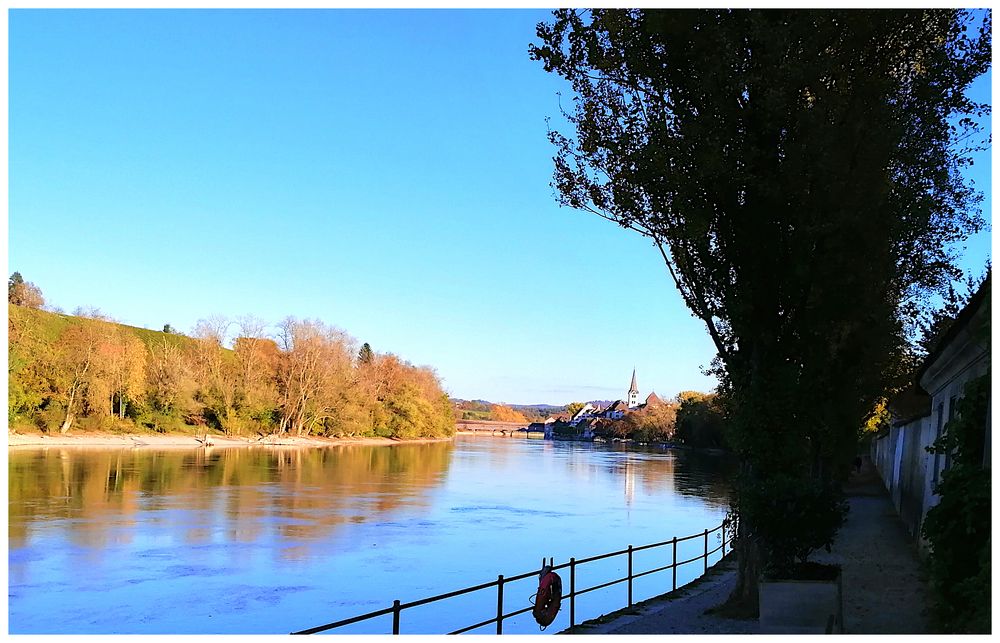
(50, 326)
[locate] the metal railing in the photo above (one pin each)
(573, 564)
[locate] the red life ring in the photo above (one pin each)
(547, 599)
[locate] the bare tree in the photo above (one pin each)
(315, 369)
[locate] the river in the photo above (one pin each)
(269, 541)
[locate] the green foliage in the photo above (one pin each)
(650, 424)
(167, 328)
(13, 282)
(958, 527)
(573, 407)
(700, 421)
(563, 429)
(410, 415)
(933, 324)
(534, 413)
(793, 518)
(365, 354)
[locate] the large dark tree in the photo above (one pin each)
(799, 171)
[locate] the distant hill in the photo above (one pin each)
(537, 411)
(482, 409)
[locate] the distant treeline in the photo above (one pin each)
(70, 371)
(483, 410)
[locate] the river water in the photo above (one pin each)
(269, 540)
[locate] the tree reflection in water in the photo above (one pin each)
(302, 494)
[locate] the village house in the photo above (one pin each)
(585, 413)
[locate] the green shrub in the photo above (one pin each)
(958, 527)
(795, 516)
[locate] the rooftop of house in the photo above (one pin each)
(653, 399)
(961, 322)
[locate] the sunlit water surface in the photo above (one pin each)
(265, 540)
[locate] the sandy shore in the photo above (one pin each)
(185, 441)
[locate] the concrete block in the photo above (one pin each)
(801, 607)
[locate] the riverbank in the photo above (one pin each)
(188, 441)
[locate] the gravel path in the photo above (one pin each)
(884, 587)
(679, 612)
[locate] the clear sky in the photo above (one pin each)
(384, 171)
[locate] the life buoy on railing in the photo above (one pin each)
(548, 597)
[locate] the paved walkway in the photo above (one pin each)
(884, 587)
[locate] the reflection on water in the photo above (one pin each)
(268, 540)
(300, 494)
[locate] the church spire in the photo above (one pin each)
(633, 392)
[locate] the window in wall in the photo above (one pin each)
(951, 416)
(938, 429)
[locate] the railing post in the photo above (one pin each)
(500, 604)
(706, 551)
(572, 592)
(674, 567)
(395, 616)
(630, 575)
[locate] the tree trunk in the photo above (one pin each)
(744, 598)
(68, 420)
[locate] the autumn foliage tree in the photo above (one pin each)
(75, 355)
(122, 360)
(503, 413)
(216, 371)
(73, 372)
(799, 173)
(315, 362)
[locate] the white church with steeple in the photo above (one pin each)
(618, 408)
(633, 392)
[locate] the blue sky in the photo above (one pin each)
(384, 171)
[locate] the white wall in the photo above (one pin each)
(901, 458)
